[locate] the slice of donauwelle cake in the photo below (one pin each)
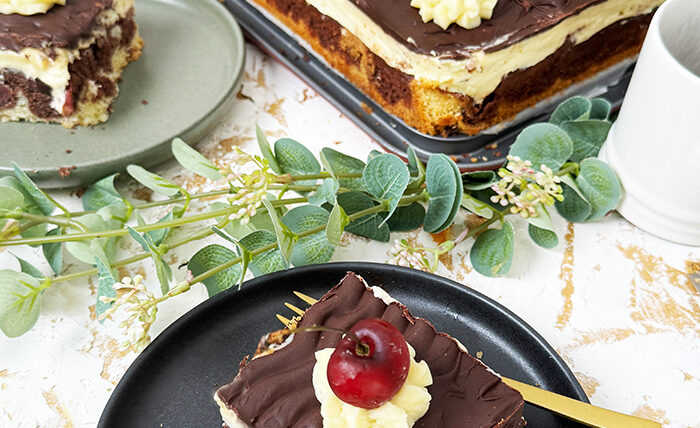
(61, 62)
(281, 386)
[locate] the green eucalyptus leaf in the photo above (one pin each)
(208, 258)
(18, 313)
(162, 268)
(105, 280)
(153, 181)
(10, 198)
(243, 252)
(416, 169)
(267, 262)
(574, 207)
(53, 252)
(600, 109)
(373, 154)
(476, 206)
(575, 108)
(600, 186)
(266, 150)
(286, 238)
(543, 144)
(29, 205)
(542, 237)
(542, 219)
(339, 163)
(408, 218)
(312, 249)
(31, 190)
(479, 180)
(102, 194)
(158, 236)
(192, 160)
(337, 221)
(492, 253)
(587, 137)
(294, 158)
(140, 239)
(444, 185)
(386, 177)
(29, 268)
(81, 250)
(325, 193)
(370, 226)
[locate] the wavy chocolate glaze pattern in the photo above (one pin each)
(276, 391)
(60, 27)
(512, 21)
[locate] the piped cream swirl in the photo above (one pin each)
(465, 13)
(402, 411)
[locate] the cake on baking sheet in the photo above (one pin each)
(455, 75)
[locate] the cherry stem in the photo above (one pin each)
(361, 348)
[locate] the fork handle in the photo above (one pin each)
(584, 413)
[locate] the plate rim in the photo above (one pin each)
(238, 39)
(258, 282)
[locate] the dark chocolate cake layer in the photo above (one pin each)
(276, 391)
(512, 21)
(60, 27)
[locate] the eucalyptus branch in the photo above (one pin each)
(548, 168)
(72, 237)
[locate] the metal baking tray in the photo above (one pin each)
(486, 150)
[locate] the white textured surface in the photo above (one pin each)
(614, 301)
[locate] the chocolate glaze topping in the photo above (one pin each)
(60, 27)
(512, 21)
(276, 391)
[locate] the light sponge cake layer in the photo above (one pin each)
(53, 70)
(383, 69)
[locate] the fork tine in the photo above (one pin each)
(294, 308)
(308, 299)
(283, 320)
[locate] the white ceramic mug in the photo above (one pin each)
(654, 146)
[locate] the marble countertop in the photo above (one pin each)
(615, 302)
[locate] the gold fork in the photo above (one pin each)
(584, 413)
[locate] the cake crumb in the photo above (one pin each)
(367, 109)
(69, 151)
(479, 354)
(65, 171)
(144, 102)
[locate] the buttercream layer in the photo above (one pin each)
(277, 391)
(474, 62)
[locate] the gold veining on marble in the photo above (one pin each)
(656, 307)
(307, 94)
(274, 109)
(646, 411)
(55, 404)
(589, 383)
(109, 351)
(566, 274)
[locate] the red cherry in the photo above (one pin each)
(369, 373)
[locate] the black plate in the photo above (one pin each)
(171, 384)
(478, 152)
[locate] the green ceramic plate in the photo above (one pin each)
(188, 76)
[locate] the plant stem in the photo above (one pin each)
(185, 285)
(145, 228)
(38, 219)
